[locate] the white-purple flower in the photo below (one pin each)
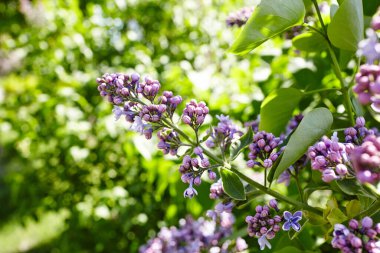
(264, 242)
(292, 221)
(190, 192)
(118, 112)
(370, 47)
(138, 125)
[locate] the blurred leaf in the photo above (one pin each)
(277, 109)
(314, 219)
(347, 26)
(269, 18)
(289, 249)
(245, 140)
(232, 184)
(336, 216)
(370, 7)
(353, 188)
(310, 42)
(353, 208)
(312, 127)
(344, 58)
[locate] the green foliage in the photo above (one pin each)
(347, 26)
(232, 184)
(310, 42)
(312, 127)
(277, 109)
(270, 18)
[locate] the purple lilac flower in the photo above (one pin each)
(264, 224)
(149, 88)
(357, 133)
(191, 236)
(368, 85)
(240, 17)
(326, 156)
(370, 47)
(170, 101)
(292, 221)
(195, 113)
(254, 124)
(366, 160)
(216, 190)
(223, 134)
(192, 170)
(263, 148)
(169, 141)
(357, 237)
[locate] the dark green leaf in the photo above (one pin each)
(310, 42)
(344, 57)
(347, 26)
(245, 140)
(269, 18)
(277, 109)
(232, 185)
(312, 127)
(370, 7)
(353, 188)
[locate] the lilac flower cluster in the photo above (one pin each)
(223, 134)
(368, 79)
(366, 160)
(263, 148)
(358, 237)
(330, 158)
(254, 124)
(358, 132)
(216, 190)
(169, 141)
(368, 85)
(192, 170)
(170, 101)
(191, 236)
(264, 224)
(240, 17)
(195, 113)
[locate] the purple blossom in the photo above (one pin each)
(264, 242)
(292, 221)
(263, 149)
(170, 101)
(169, 141)
(370, 47)
(223, 134)
(195, 113)
(285, 177)
(240, 17)
(190, 192)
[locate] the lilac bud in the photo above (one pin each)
(198, 151)
(356, 242)
(341, 169)
(261, 143)
(211, 175)
(270, 235)
(263, 230)
(197, 180)
(273, 204)
(195, 162)
(371, 233)
(329, 175)
(360, 121)
(259, 209)
(267, 163)
(250, 163)
(354, 224)
(186, 119)
(367, 222)
(205, 163)
(135, 77)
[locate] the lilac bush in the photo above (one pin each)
(347, 163)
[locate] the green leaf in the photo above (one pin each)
(353, 208)
(289, 249)
(232, 185)
(245, 140)
(269, 18)
(370, 7)
(344, 58)
(347, 26)
(353, 188)
(336, 216)
(312, 127)
(310, 42)
(277, 109)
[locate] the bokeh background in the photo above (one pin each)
(72, 179)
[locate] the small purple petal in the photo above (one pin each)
(296, 226)
(286, 226)
(287, 215)
(298, 214)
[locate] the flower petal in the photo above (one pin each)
(298, 214)
(264, 242)
(286, 226)
(287, 215)
(296, 226)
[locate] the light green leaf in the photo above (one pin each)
(277, 109)
(312, 127)
(353, 208)
(336, 216)
(347, 26)
(269, 18)
(232, 185)
(353, 188)
(310, 42)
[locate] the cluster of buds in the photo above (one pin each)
(170, 101)
(366, 160)
(216, 190)
(264, 224)
(368, 85)
(202, 235)
(358, 237)
(329, 157)
(357, 133)
(240, 17)
(169, 141)
(263, 148)
(149, 88)
(195, 113)
(152, 113)
(223, 134)
(192, 170)
(254, 124)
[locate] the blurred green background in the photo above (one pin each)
(71, 178)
